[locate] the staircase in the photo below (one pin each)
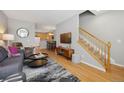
(98, 49)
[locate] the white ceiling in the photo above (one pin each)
(44, 17)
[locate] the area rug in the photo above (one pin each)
(51, 72)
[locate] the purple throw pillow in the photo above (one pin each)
(13, 50)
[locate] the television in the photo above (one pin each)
(65, 38)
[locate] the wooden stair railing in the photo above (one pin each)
(97, 48)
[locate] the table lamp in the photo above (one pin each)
(8, 37)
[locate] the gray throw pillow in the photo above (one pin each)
(3, 54)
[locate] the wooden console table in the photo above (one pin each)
(67, 52)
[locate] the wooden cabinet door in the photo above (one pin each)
(43, 36)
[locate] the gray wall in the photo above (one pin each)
(13, 25)
(3, 26)
(72, 25)
(107, 26)
(3, 22)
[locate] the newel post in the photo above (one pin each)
(109, 57)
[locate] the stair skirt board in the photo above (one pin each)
(101, 69)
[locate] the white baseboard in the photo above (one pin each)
(115, 63)
(101, 69)
(118, 64)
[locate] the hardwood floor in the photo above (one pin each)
(86, 73)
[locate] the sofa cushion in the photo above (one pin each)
(11, 65)
(3, 53)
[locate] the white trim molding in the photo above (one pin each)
(115, 63)
(101, 69)
(118, 64)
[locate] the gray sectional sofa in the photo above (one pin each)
(10, 65)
